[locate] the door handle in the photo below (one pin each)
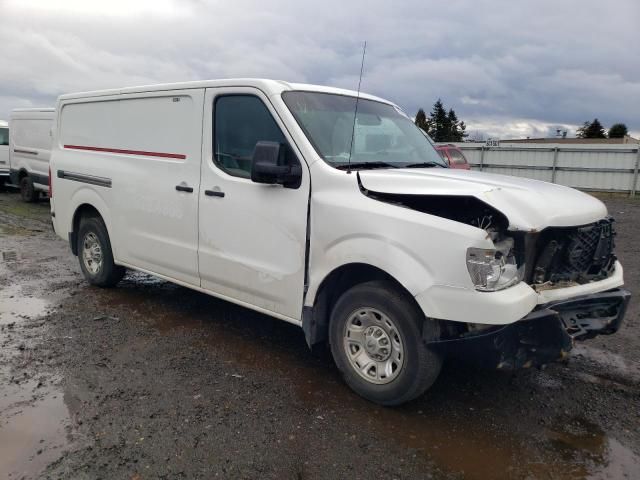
(184, 188)
(214, 193)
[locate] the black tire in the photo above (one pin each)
(421, 365)
(27, 190)
(107, 273)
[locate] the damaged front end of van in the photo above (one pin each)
(545, 335)
(554, 243)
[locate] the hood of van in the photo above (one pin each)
(529, 205)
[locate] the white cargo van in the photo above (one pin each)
(30, 149)
(277, 197)
(4, 152)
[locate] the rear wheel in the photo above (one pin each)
(95, 255)
(27, 190)
(376, 335)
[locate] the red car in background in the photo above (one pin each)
(454, 156)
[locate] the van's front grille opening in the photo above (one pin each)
(575, 255)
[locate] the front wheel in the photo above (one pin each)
(377, 340)
(95, 255)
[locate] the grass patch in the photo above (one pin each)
(615, 195)
(15, 230)
(18, 208)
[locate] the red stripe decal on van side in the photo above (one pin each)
(128, 152)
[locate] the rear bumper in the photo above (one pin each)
(35, 177)
(546, 334)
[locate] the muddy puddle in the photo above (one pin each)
(456, 437)
(15, 306)
(33, 422)
(600, 456)
(33, 414)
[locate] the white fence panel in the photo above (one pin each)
(589, 167)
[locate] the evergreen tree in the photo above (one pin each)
(591, 130)
(453, 132)
(439, 123)
(618, 130)
(421, 120)
(582, 131)
(596, 130)
(456, 129)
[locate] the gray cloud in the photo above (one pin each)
(508, 68)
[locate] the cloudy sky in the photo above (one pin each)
(509, 68)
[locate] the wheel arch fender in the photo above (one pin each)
(86, 200)
(385, 254)
(19, 174)
(356, 260)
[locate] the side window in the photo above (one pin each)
(4, 136)
(239, 122)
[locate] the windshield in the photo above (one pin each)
(383, 137)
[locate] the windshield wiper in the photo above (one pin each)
(364, 165)
(424, 165)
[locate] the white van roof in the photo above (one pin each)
(269, 87)
(4, 123)
(32, 114)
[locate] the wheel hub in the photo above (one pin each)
(373, 345)
(92, 253)
(377, 343)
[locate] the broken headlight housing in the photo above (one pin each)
(494, 269)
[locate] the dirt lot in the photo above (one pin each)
(151, 380)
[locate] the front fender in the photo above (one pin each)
(383, 253)
(418, 250)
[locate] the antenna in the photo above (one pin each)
(355, 114)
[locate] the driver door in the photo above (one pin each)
(252, 236)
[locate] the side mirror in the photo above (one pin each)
(269, 165)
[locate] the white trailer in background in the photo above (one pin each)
(4, 152)
(30, 150)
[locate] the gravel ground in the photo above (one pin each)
(152, 380)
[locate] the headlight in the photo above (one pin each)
(494, 269)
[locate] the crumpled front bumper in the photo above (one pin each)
(546, 334)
